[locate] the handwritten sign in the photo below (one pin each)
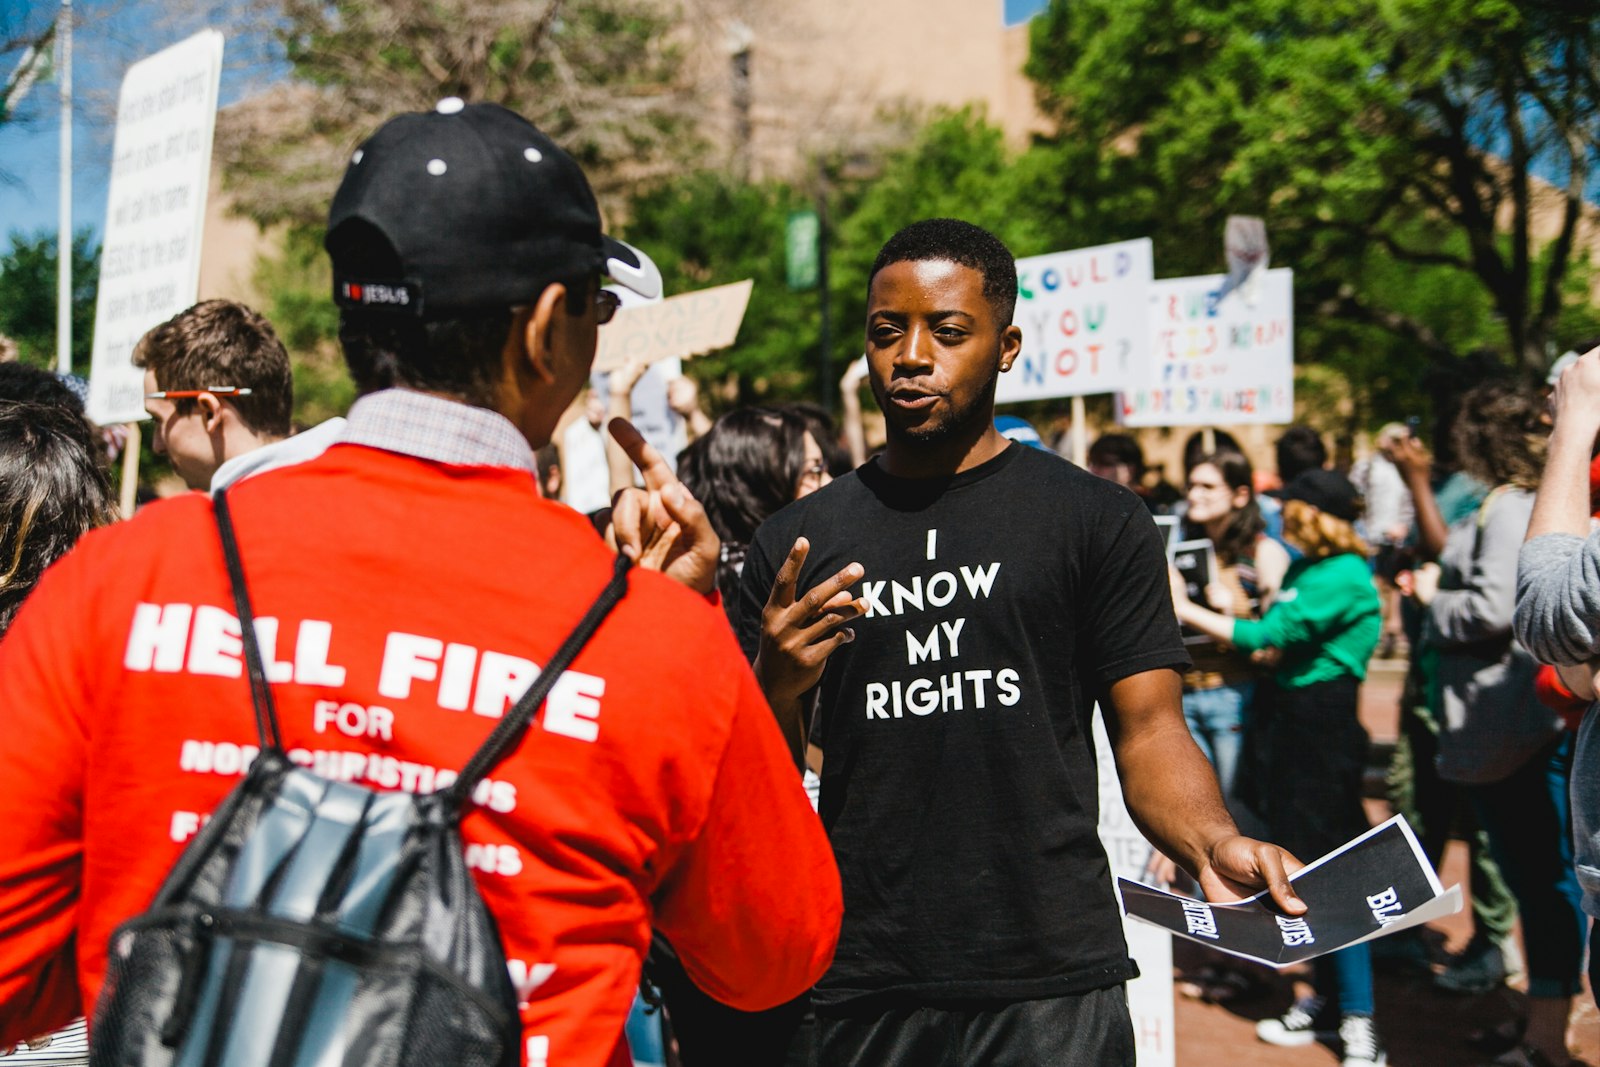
(690, 324)
(1130, 855)
(1212, 363)
(161, 162)
(1082, 315)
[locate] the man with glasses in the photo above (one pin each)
(408, 583)
(219, 394)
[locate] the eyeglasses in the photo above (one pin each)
(190, 394)
(606, 304)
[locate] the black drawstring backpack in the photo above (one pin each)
(314, 923)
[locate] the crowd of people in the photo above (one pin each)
(816, 769)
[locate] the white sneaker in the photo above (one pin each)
(1360, 1039)
(1293, 1028)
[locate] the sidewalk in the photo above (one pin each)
(1421, 1027)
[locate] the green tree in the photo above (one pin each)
(602, 77)
(1393, 149)
(28, 297)
(296, 286)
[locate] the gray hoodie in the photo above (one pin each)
(1558, 620)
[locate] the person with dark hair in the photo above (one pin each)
(835, 454)
(1117, 458)
(1508, 751)
(410, 583)
(961, 602)
(52, 491)
(24, 384)
(752, 463)
(1299, 448)
(1217, 690)
(1194, 447)
(1325, 626)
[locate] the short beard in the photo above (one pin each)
(960, 422)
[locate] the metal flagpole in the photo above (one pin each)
(64, 229)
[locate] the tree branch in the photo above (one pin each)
(1346, 303)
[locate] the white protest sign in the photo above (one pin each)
(689, 324)
(1149, 995)
(150, 262)
(1082, 315)
(1213, 363)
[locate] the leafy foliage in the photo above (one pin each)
(28, 297)
(1362, 132)
(601, 77)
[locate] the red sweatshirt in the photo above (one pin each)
(402, 606)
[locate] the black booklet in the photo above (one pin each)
(1380, 883)
(1196, 561)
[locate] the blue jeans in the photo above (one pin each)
(1528, 817)
(1345, 977)
(1216, 718)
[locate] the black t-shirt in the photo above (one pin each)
(959, 784)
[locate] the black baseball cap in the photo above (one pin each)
(1327, 491)
(465, 207)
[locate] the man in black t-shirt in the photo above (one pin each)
(969, 601)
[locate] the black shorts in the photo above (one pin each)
(1088, 1030)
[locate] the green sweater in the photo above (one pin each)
(1325, 620)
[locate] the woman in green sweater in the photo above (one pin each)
(1323, 627)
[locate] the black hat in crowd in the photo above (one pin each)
(1327, 491)
(468, 207)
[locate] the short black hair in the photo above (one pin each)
(1300, 449)
(958, 242)
(23, 384)
(1114, 448)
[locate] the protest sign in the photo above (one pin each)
(1083, 318)
(1196, 563)
(1209, 362)
(1149, 995)
(1380, 883)
(160, 167)
(689, 324)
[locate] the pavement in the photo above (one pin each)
(1421, 1027)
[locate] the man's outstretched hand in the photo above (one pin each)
(1237, 867)
(800, 632)
(662, 527)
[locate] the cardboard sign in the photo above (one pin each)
(1150, 994)
(1083, 318)
(690, 324)
(150, 262)
(1212, 363)
(1380, 883)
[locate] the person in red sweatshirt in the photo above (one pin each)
(408, 583)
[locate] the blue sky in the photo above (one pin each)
(112, 35)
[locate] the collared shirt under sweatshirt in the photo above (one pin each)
(408, 583)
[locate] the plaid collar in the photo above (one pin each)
(436, 429)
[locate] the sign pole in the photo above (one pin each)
(1080, 433)
(130, 470)
(1208, 440)
(64, 219)
(825, 382)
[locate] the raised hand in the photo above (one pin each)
(799, 633)
(662, 527)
